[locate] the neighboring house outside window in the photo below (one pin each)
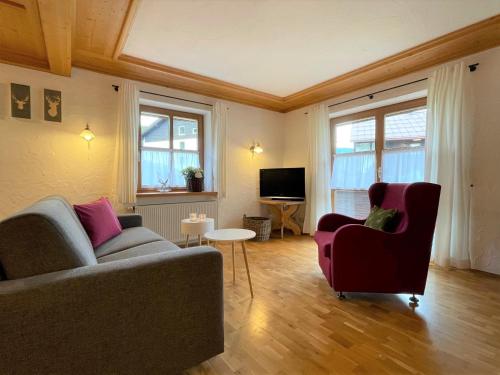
(167, 144)
(384, 144)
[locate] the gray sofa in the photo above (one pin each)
(138, 304)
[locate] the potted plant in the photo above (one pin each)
(194, 178)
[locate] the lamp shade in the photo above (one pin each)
(256, 148)
(87, 134)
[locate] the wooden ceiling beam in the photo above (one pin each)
(57, 19)
(126, 26)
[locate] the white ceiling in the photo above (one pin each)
(284, 46)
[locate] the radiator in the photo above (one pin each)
(165, 218)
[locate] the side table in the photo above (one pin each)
(196, 228)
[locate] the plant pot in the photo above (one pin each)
(194, 184)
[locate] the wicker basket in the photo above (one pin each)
(260, 225)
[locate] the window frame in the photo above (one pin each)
(171, 114)
(379, 115)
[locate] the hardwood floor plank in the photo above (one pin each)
(296, 325)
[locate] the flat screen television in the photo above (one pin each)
(283, 183)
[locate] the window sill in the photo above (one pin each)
(176, 193)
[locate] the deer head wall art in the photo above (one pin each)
(20, 101)
(52, 105)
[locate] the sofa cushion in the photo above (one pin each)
(99, 220)
(45, 237)
(324, 240)
(128, 238)
(145, 249)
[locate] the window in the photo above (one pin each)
(195, 130)
(165, 147)
(384, 144)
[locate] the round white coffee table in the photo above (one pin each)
(196, 228)
(234, 235)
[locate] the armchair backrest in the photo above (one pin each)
(417, 205)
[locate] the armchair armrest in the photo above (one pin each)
(366, 259)
(332, 222)
(130, 220)
(154, 313)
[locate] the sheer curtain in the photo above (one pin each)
(354, 171)
(448, 162)
(403, 165)
(318, 195)
(158, 164)
(219, 148)
(126, 144)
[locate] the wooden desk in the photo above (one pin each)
(282, 214)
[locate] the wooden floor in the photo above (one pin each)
(295, 324)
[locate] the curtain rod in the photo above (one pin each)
(117, 87)
(472, 68)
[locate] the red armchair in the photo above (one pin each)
(355, 258)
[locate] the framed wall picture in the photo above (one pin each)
(52, 105)
(20, 101)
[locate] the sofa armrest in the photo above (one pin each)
(332, 222)
(149, 314)
(365, 259)
(130, 220)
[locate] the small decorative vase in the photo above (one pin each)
(194, 184)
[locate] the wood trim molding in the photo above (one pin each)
(145, 71)
(13, 58)
(125, 30)
(466, 41)
(57, 22)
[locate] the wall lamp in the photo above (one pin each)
(87, 134)
(256, 148)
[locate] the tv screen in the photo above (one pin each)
(282, 183)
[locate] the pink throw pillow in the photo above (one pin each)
(99, 220)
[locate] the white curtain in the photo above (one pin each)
(126, 143)
(448, 162)
(219, 148)
(353, 171)
(403, 165)
(157, 164)
(318, 195)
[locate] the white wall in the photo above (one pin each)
(39, 158)
(485, 218)
(485, 165)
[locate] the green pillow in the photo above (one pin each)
(380, 218)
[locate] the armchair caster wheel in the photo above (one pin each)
(341, 296)
(413, 299)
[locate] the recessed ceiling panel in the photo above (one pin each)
(281, 47)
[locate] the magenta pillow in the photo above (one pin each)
(99, 220)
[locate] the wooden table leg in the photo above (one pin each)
(282, 218)
(234, 274)
(246, 265)
(288, 220)
(199, 239)
(187, 241)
